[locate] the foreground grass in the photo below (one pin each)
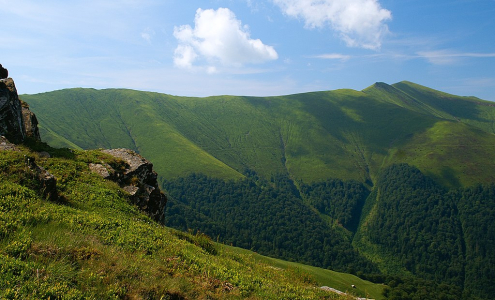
(93, 244)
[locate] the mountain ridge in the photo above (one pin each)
(363, 127)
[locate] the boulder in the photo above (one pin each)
(138, 179)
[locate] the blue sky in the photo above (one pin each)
(249, 47)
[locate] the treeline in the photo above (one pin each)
(265, 216)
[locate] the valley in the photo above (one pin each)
(375, 183)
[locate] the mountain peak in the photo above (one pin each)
(380, 84)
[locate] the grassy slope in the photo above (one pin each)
(470, 110)
(340, 281)
(313, 136)
(453, 153)
(338, 134)
(94, 244)
(122, 118)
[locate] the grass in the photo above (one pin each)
(93, 244)
(313, 136)
(340, 281)
(453, 153)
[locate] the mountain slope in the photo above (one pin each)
(338, 134)
(373, 181)
(93, 244)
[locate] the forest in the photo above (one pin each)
(264, 216)
(440, 239)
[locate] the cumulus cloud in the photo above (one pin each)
(218, 37)
(360, 23)
(184, 56)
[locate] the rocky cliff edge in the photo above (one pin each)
(18, 123)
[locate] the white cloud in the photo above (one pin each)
(360, 23)
(342, 57)
(219, 38)
(184, 56)
(448, 57)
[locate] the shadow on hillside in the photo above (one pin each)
(39, 146)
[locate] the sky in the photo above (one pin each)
(249, 47)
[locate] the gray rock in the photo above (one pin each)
(30, 122)
(11, 122)
(138, 179)
(17, 122)
(104, 171)
(132, 190)
(6, 145)
(139, 168)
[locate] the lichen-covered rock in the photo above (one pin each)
(138, 179)
(139, 168)
(131, 190)
(104, 171)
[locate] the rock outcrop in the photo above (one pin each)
(17, 122)
(11, 121)
(138, 179)
(47, 182)
(30, 122)
(4, 73)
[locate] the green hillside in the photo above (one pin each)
(311, 137)
(93, 244)
(376, 183)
